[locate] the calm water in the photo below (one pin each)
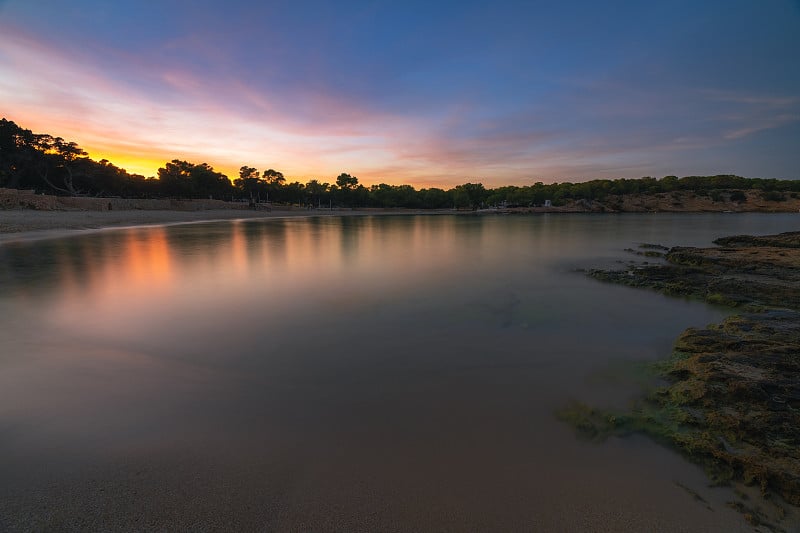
(373, 373)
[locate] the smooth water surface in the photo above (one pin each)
(372, 373)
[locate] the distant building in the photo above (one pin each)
(548, 203)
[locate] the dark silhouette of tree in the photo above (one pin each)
(248, 183)
(346, 192)
(176, 179)
(346, 181)
(274, 181)
(17, 152)
(274, 177)
(53, 165)
(208, 183)
(107, 178)
(293, 193)
(315, 191)
(59, 165)
(181, 179)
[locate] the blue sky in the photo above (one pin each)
(427, 93)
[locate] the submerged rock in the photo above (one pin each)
(732, 396)
(739, 381)
(754, 271)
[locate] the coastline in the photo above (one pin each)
(32, 224)
(25, 215)
(25, 224)
(727, 397)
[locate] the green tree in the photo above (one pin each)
(470, 195)
(435, 198)
(738, 196)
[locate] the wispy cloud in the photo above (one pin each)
(759, 125)
(191, 97)
(744, 114)
(230, 123)
(185, 116)
(771, 101)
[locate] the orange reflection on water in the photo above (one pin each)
(238, 255)
(146, 262)
(139, 282)
(112, 278)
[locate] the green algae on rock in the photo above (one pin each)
(732, 396)
(754, 271)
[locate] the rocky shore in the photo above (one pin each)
(729, 396)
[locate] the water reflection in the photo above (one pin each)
(402, 364)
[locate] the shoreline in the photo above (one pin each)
(727, 397)
(30, 224)
(25, 215)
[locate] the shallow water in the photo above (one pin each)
(373, 373)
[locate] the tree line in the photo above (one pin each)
(52, 165)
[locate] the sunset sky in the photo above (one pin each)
(426, 93)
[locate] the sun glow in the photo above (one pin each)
(145, 166)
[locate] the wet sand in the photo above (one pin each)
(252, 491)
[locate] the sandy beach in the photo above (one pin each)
(25, 224)
(26, 215)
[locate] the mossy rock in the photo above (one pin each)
(732, 399)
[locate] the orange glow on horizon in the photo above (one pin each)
(148, 166)
(145, 166)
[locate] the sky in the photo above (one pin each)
(432, 93)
